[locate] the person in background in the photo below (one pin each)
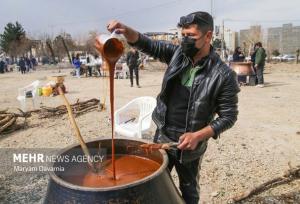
(133, 63)
(28, 64)
(2, 66)
(98, 64)
(238, 55)
(33, 63)
(89, 65)
(260, 57)
(6, 65)
(77, 64)
(252, 54)
(22, 65)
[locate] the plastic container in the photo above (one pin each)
(47, 91)
(40, 91)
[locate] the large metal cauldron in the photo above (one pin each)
(242, 68)
(155, 188)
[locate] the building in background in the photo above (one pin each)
(165, 36)
(290, 39)
(231, 40)
(274, 39)
(285, 39)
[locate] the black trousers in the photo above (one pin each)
(136, 72)
(98, 69)
(23, 70)
(90, 70)
(242, 78)
(260, 74)
(188, 174)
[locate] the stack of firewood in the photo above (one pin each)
(10, 122)
(78, 108)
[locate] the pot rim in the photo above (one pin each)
(66, 184)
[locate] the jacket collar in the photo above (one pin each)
(185, 62)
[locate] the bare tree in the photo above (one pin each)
(90, 43)
(250, 37)
(62, 44)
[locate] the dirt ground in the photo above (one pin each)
(258, 148)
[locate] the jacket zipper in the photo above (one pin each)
(187, 113)
(175, 73)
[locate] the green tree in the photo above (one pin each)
(217, 43)
(276, 53)
(13, 41)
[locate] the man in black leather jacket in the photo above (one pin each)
(133, 62)
(196, 86)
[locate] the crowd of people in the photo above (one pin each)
(3, 66)
(91, 66)
(133, 60)
(129, 63)
(26, 64)
(22, 64)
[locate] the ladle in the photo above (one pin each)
(155, 146)
(77, 131)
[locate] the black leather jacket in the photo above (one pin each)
(214, 91)
(132, 59)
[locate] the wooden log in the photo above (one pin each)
(6, 119)
(9, 123)
(86, 110)
(4, 111)
(13, 128)
(290, 175)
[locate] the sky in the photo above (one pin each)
(39, 17)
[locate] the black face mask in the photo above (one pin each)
(188, 45)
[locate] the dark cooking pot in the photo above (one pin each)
(242, 68)
(155, 188)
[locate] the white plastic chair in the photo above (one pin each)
(121, 71)
(145, 105)
(125, 70)
(30, 88)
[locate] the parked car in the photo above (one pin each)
(287, 58)
(278, 58)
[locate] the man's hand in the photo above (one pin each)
(190, 140)
(130, 34)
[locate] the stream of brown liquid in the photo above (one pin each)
(112, 51)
